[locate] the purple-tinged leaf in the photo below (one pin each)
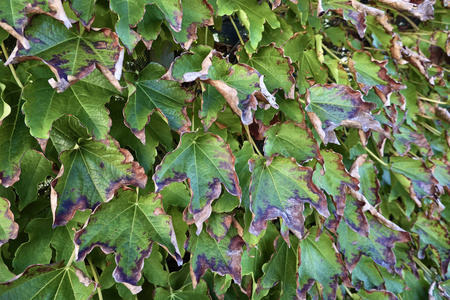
(433, 234)
(218, 225)
(206, 161)
(8, 228)
(406, 137)
(127, 226)
(223, 257)
(279, 188)
(90, 174)
(331, 105)
(320, 262)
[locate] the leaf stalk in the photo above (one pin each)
(13, 71)
(94, 272)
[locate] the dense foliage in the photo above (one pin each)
(220, 149)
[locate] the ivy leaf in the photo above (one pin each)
(35, 169)
(292, 140)
(84, 9)
(355, 217)
(90, 174)
(130, 13)
(150, 94)
(378, 245)
(127, 226)
(434, 235)
(15, 16)
(86, 100)
(150, 25)
(423, 184)
(252, 16)
(43, 281)
(42, 239)
(364, 170)
(8, 228)
(279, 188)
(276, 68)
(406, 137)
(331, 105)
(282, 268)
(371, 73)
(223, 257)
(206, 160)
(15, 138)
(320, 263)
(195, 13)
(333, 178)
(187, 63)
(441, 172)
(95, 49)
(212, 103)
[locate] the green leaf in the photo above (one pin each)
(320, 262)
(331, 105)
(423, 184)
(206, 160)
(91, 173)
(435, 235)
(276, 68)
(5, 109)
(333, 178)
(84, 9)
(223, 257)
(282, 268)
(252, 16)
(442, 172)
(378, 245)
(364, 170)
(35, 170)
(42, 239)
(189, 62)
(371, 73)
(218, 225)
(86, 100)
(279, 188)
(212, 103)
(95, 49)
(127, 226)
(130, 13)
(292, 140)
(153, 268)
(150, 94)
(150, 25)
(406, 137)
(8, 228)
(366, 272)
(65, 133)
(375, 295)
(195, 13)
(52, 281)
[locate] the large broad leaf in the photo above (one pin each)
(83, 51)
(127, 226)
(223, 257)
(252, 16)
(333, 178)
(15, 15)
(423, 184)
(378, 245)
(43, 242)
(86, 100)
(36, 168)
(15, 138)
(8, 228)
(320, 262)
(279, 188)
(433, 234)
(150, 94)
(84, 9)
(371, 73)
(331, 105)
(276, 68)
(292, 140)
(282, 268)
(195, 13)
(90, 174)
(206, 160)
(52, 281)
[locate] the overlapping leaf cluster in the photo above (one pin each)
(245, 149)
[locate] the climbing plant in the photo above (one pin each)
(212, 149)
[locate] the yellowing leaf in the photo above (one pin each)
(8, 228)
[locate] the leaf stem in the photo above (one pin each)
(333, 55)
(423, 267)
(348, 291)
(376, 157)
(250, 139)
(431, 100)
(71, 259)
(237, 30)
(429, 128)
(94, 272)
(13, 71)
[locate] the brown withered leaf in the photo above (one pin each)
(379, 14)
(424, 10)
(331, 105)
(371, 73)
